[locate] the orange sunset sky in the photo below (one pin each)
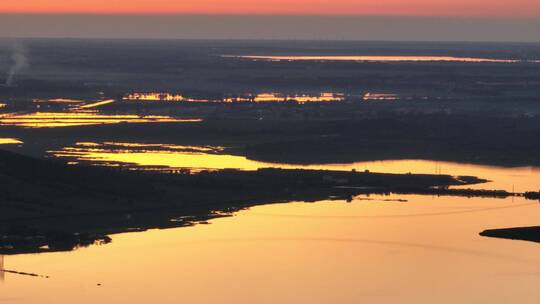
(487, 8)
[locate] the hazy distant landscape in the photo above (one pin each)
(100, 138)
(283, 111)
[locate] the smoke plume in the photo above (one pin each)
(19, 60)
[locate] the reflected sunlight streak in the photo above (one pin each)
(47, 119)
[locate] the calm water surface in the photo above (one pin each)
(379, 249)
(424, 250)
(381, 58)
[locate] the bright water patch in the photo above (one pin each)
(518, 179)
(10, 141)
(382, 59)
(67, 119)
(377, 251)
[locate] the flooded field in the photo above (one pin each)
(162, 155)
(53, 119)
(154, 96)
(270, 97)
(10, 141)
(383, 249)
(279, 97)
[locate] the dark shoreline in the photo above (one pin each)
(49, 206)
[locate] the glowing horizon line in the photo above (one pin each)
(272, 13)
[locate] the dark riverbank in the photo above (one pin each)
(51, 206)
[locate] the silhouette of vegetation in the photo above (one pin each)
(49, 206)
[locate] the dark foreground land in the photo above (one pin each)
(48, 206)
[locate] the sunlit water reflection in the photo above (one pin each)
(518, 179)
(58, 119)
(270, 97)
(424, 250)
(10, 141)
(382, 59)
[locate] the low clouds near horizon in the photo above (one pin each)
(271, 27)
